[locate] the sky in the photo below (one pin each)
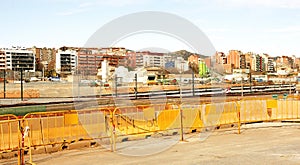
(268, 26)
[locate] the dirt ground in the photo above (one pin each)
(262, 143)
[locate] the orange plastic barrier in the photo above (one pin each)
(68, 126)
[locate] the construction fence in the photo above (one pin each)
(112, 125)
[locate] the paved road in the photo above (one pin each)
(270, 143)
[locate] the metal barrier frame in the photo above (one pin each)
(66, 127)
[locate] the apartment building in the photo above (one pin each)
(243, 64)
(297, 63)
(114, 55)
(271, 67)
(233, 57)
(130, 59)
(90, 59)
(46, 56)
(66, 61)
(260, 62)
(181, 65)
(221, 58)
(248, 60)
(18, 59)
(2, 60)
(265, 58)
(150, 59)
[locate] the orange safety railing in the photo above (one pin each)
(118, 123)
(9, 135)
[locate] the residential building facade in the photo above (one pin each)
(2, 60)
(233, 57)
(149, 59)
(66, 61)
(18, 59)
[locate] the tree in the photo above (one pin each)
(39, 66)
(194, 67)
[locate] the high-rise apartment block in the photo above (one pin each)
(233, 57)
(45, 56)
(66, 61)
(149, 59)
(17, 59)
(2, 60)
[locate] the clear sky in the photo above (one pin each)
(260, 26)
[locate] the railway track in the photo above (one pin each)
(157, 97)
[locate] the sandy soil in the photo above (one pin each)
(263, 143)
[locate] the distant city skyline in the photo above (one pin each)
(269, 26)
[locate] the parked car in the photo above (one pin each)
(54, 78)
(34, 79)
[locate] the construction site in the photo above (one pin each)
(150, 113)
(63, 123)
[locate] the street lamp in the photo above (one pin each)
(250, 79)
(290, 87)
(242, 87)
(180, 89)
(135, 88)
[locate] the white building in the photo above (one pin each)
(181, 65)
(150, 59)
(2, 60)
(18, 59)
(126, 76)
(66, 61)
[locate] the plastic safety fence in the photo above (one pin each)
(253, 111)
(9, 133)
(286, 109)
(106, 123)
(219, 114)
(133, 120)
(60, 127)
(95, 124)
(191, 117)
(152, 119)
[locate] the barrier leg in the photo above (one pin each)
(181, 124)
(113, 132)
(30, 153)
(21, 145)
(239, 118)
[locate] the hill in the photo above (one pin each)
(185, 54)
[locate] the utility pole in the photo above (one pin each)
(43, 73)
(193, 81)
(242, 88)
(100, 88)
(290, 87)
(136, 89)
(78, 84)
(180, 108)
(116, 85)
(250, 81)
(4, 83)
(21, 84)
